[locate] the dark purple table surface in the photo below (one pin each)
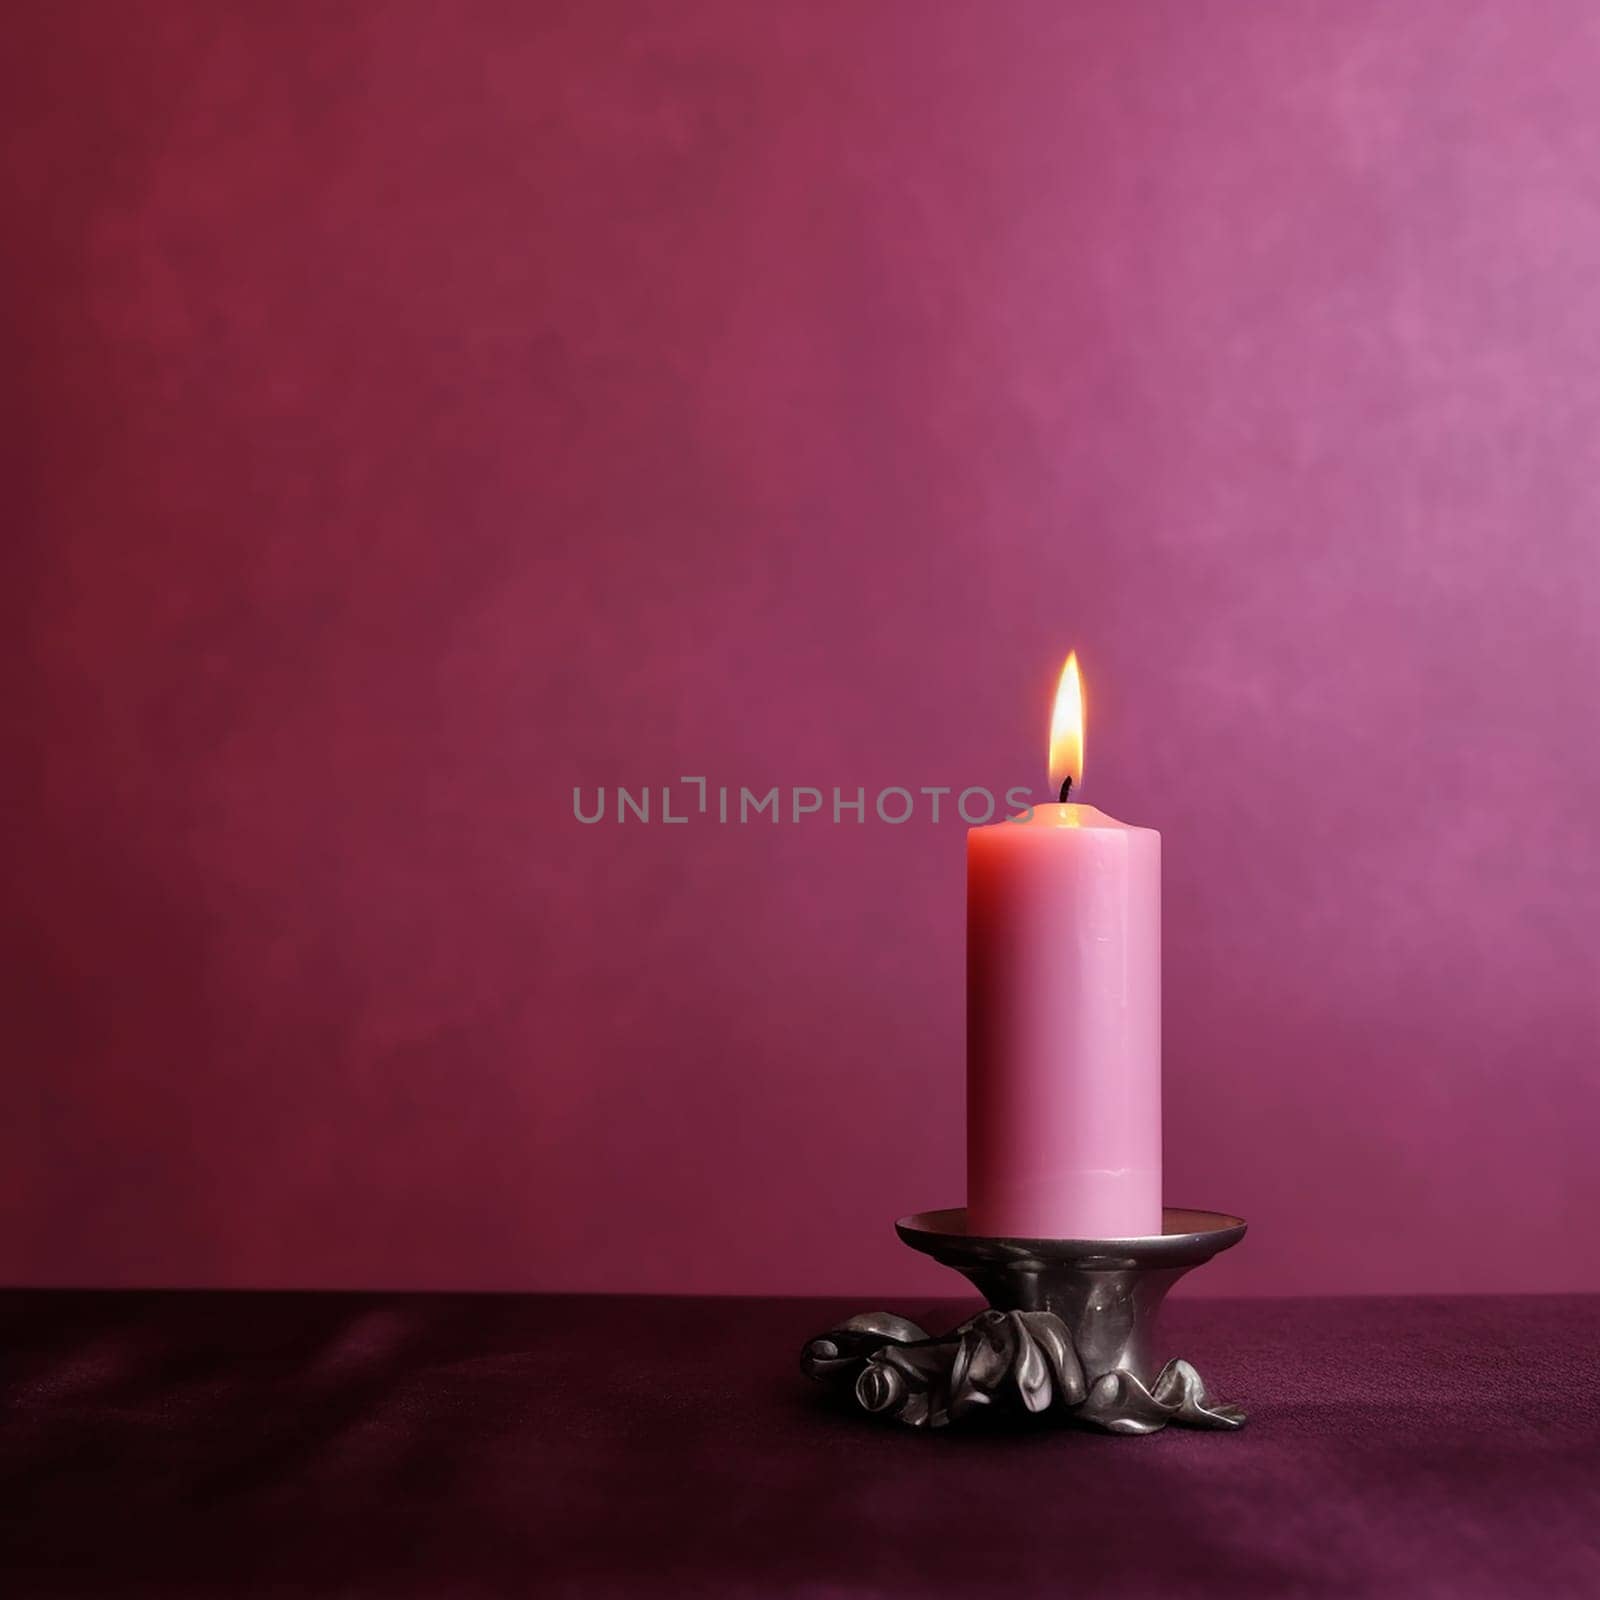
(356, 1444)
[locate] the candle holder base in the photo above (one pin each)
(1069, 1333)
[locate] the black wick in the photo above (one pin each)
(1066, 789)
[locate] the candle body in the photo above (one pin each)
(1064, 1027)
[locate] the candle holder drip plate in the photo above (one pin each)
(1070, 1332)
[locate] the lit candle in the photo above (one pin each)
(1064, 1014)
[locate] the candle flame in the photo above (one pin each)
(1066, 728)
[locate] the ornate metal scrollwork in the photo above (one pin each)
(1021, 1361)
(1069, 1333)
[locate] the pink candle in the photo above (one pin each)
(1064, 1016)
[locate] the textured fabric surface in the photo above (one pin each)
(462, 1445)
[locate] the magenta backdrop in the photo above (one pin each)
(415, 411)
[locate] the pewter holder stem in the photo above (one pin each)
(1069, 1333)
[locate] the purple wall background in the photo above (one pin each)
(414, 412)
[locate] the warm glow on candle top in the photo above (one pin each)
(1066, 728)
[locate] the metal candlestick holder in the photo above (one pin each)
(1070, 1332)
